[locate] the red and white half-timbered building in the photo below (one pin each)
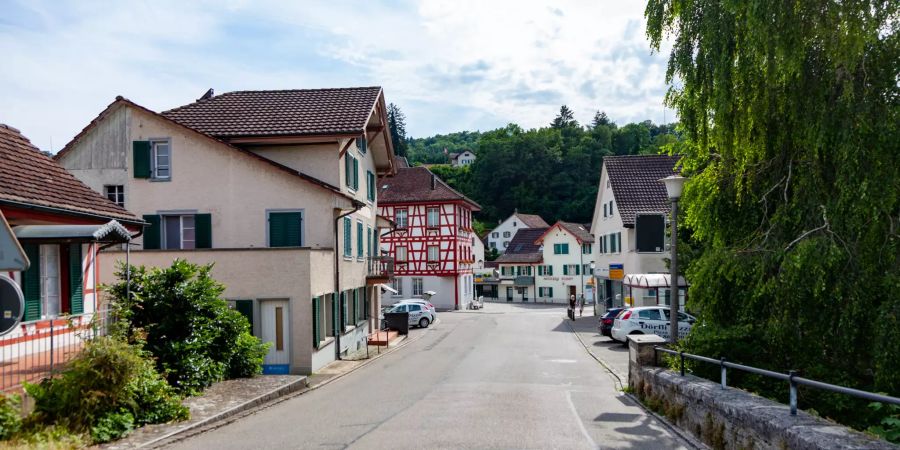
(432, 242)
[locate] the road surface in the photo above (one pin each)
(508, 376)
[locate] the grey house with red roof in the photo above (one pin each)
(277, 188)
(629, 222)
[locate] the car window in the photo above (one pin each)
(682, 317)
(399, 308)
(414, 308)
(649, 314)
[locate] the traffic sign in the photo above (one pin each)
(12, 305)
(12, 257)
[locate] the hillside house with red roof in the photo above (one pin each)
(432, 243)
(277, 188)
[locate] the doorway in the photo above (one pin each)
(509, 294)
(572, 292)
(275, 332)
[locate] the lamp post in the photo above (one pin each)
(674, 184)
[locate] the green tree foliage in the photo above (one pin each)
(790, 116)
(397, 128)
(436, 149)
(177, 313)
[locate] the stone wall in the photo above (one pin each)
(731, 418)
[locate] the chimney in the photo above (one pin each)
(207, 95)
(433, 181)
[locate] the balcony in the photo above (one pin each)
(380, 269)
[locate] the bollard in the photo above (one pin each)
(722, 365)
(793, 394)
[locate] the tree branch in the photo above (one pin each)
(807, 233)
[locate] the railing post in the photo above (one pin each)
(51, 347)
(681, 355)
(793, 395)
(722, 365)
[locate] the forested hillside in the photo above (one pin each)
(552, 171)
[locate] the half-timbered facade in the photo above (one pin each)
(431, 244)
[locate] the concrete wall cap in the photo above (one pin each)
(646, 339)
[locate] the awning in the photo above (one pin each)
(651, 280)
(523, 281)
(111, 232)
(388, 288)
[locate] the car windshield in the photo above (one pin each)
(398, 308)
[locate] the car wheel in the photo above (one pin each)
(423, 322)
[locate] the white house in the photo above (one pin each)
(277, 188)
(565, 269)
(462, 159)
(478, 251)
(630, 194)
(499, 238)
(518, 265)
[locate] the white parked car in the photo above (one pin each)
(649, 320)
(419, 314)
(419, 301)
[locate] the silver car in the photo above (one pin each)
(419, 315)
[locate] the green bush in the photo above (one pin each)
(10, 416)
(106, 390)
(177, 313)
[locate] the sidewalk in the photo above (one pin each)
(610, 353)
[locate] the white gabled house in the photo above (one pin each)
(566, 266)
(277, 188)
(500, 237)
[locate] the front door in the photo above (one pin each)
(509, 294)
(524, 292)
(274, 330)
(571, 292)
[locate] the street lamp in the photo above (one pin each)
(674, 185)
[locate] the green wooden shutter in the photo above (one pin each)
(335, 315)
(551, 292)
(152, 234)
(348, 240)
(141, 150)
(355, 174)
(76, 294)
(245, 307)
(365, 303)
(355, 306)
(360, 250)
(285, 229)
(203, 230)
(348, 169)
(578, 270)
(344, 314)
(31, 283)
(565, 269)
(550, 270)
(317, 333)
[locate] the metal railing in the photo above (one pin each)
(791, 377)
(40, 349)
(380, 266)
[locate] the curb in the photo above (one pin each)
(266, 400)
(682, 434)
(618, 377)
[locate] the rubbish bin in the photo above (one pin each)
(398, 321)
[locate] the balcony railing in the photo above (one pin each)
(380, 267)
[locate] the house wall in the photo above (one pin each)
(478, 252)
(444, 298)
(558, 281)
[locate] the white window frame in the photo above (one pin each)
(405, 213)
(117, 195)
(181, 215)
(46, 300)
(437, 255)
(417, 291)
(507, 234)
(397, 285)
(437, 217)
(405, 252)
(154, 158)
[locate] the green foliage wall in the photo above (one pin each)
(790, 114)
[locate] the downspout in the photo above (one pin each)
(357, 205)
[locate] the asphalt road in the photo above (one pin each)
(505, 377)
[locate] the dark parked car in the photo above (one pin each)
(607, 319)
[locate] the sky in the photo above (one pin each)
(450, 65)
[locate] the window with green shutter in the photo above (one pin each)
(565, 269)
(31, 283)
(286, 229)
(141, 161)
(76, 294)
(203, 231)
(551, 292)
(316, 317)
(355, 174)
(335, 315)
(345, 316)
(365, 303)
(348, 238)
(369, 241)
(152, 232)
(360, 250)
(370, 185)
(348, 170)
(355, 306)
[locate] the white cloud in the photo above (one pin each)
(451, 65)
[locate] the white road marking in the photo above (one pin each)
(564, 361)
(584, 431)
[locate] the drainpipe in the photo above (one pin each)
(357, 205)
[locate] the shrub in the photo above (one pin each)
(10, 416)
(177, 313)
(106, 390)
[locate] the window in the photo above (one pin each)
(604, 209)
(613, 247)
(286, 229)
(495, 234)
(359, 240)
(397, 285)
(433, 217)
(586, 269)
(545, 292)
(610, 209)
(649, 314)
(560, 249)
(433, 253)
(160, 159)
(179, 232)
(348, 237)
(401, 254)
(329, 311)
(417, 287)
(401, 217)
(55, 270)
(361, 144)
(370, 185)
(506, 234)
(115, 193)
(545, 270)
(369, 241)
(493, 244)
(571, 269)
(505, 244)
(585, 249)
(514, 223)
(50, 281)
(351, 171)
(507, 270)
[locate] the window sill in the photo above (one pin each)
(324, 343)
(159, 180)
(349, 328)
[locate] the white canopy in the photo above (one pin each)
(651, 280)
(388, 288)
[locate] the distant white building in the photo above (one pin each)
(462, 159)
(629, 224)
(500, 237)
(478, 251)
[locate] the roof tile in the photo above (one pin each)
(635, 183)
(522, 248)
(413, 184)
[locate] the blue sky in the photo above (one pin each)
(450, 65)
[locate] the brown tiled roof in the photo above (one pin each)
(578, 230)
(30, 177)
(293, 112)
(413, 185)
(523, 247)
(635, 185)
(401, 162)
(532, 220)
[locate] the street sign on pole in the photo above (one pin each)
(12, 305)
(12, 257)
